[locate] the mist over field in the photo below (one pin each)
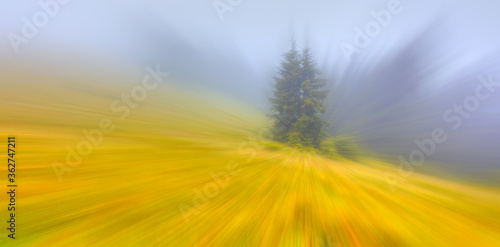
(173, 97)
(426, 59)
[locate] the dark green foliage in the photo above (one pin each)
(297, 105)
(286, 95)
(298, 101)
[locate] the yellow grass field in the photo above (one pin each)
(189, 170)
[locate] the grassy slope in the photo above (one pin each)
(130, 190)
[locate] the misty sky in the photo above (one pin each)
(427, 58)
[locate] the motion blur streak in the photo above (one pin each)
(129, 190)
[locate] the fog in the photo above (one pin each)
(428, 57)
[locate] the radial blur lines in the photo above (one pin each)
(186, 171)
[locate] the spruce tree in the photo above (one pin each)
(310, 127)
(298, 101)
(286, 95)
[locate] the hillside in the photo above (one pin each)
(184, 169)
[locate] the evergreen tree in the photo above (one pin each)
(310, 127)
(298, 101)
(286, 95)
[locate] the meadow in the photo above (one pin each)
(192, 169)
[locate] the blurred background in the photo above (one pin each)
(426, 59)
